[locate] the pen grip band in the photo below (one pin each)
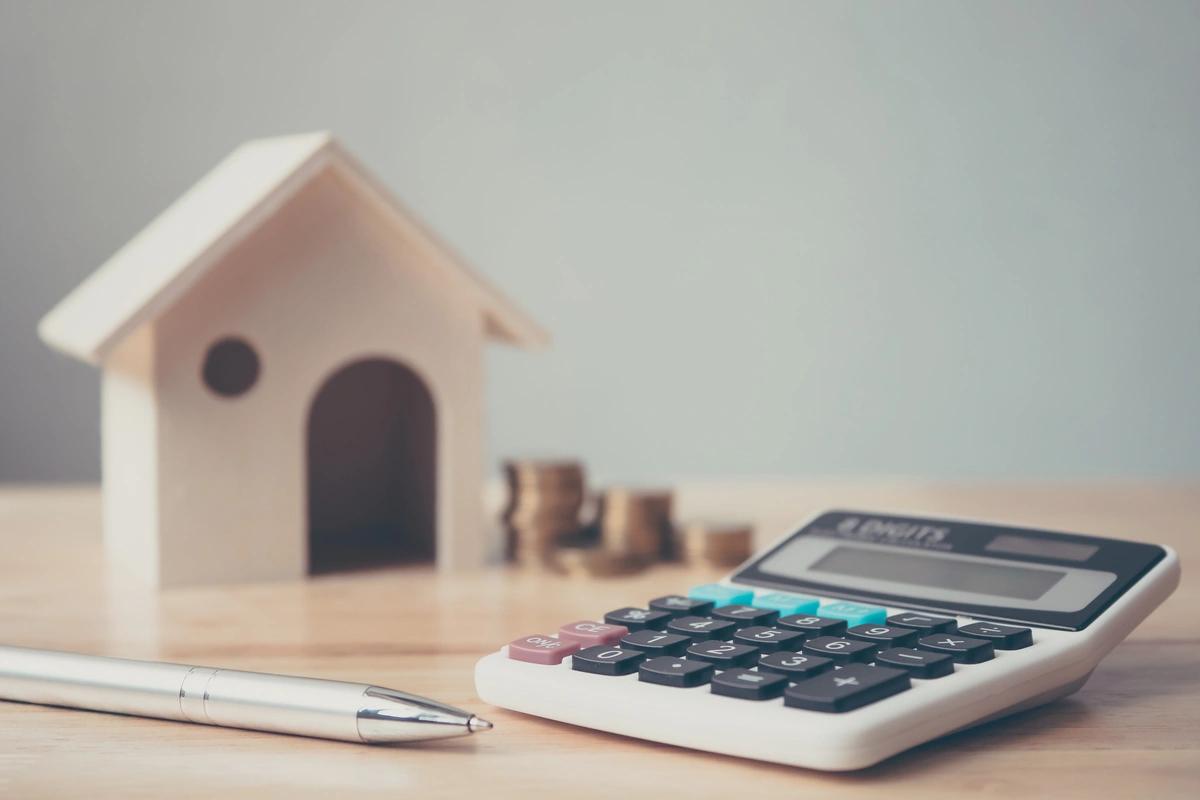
(193, 693)
(278, 703)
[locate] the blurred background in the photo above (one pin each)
(770, 238)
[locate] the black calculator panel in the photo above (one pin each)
(1046, 578)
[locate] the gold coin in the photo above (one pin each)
(637, 522)
(598, 562)
(720, 544)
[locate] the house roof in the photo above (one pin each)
(161, 263)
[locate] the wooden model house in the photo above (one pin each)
(292, 376)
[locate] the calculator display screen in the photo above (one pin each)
(1003, 573)
(923, 570)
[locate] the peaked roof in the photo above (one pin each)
(160, 264)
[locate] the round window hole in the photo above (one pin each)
(230, 367)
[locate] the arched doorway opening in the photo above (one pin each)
(372, 488)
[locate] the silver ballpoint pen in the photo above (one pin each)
(352, 712)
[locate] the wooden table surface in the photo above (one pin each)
(1133, 731)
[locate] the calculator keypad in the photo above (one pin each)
(961, 648)
(1002, 637)
(768, 639)
(745, 616)
(541, 649)
(925, 623)
(812, 626)
(843, 651)
(679, 606)
(884, 635)
(917, 663)
(787, 604)
(848, 688)
(587, 633)
(853, 613)
(678, 672)
(746, 684)
(702, 628)
(796, 666)
(607, 660)
(656, 643)
(721, 595)
(638, 619)
(723, 654)
(830, 655)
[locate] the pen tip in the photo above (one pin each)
(477, 724)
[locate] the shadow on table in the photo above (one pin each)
(1013, 732)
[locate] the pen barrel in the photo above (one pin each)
(352, 712)
(276, 703)
(116, 685)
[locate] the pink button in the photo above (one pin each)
(539, 649)
(591, 633)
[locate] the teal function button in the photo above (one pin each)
(787, 604)
(854, 613)
(721, 595)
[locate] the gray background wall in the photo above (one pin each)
(932, 239)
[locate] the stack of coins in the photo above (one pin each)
(596, 562)
(717, 544)
(637, 523)
(543, 507)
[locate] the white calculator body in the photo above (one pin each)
(854, 638)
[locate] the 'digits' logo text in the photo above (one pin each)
(893, 531)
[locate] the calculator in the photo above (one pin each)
(856, 637)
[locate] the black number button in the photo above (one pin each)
(922, 622)
(679, 606)
(796, 666)
(702, 628)
(769, 639)
(812, 626)
(638, 619)
(746, 616)
(962, 649)
(883, 635)
(918, 663)
(723, 654)
(656, 643)
(746, 684)
(1002, 637)
(845, 689)
(677, 672)
(843, 651)
(605, 659)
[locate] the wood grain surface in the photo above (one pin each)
(1133, 731)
